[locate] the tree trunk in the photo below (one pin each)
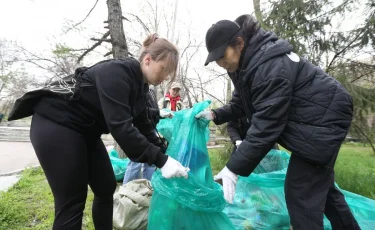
(258, 12)
(119, 46)
(187, 93)
(365, 136)
(229, 90)
(116, 29)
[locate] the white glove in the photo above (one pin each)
(166, 114)
(205, 114)
(238, 143)
(229, 183)
(173, 168)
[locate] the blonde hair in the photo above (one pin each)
(161, 49)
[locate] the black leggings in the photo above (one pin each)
(71, 161)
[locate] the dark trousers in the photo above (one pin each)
(71, 162)
(310, 192)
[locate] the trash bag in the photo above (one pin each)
(259, 202)
(118, 164)
(362, 208)
(196, 202)
(131, 204)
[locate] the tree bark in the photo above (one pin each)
(229, 90)
(365, 136)
(119, 45)
(116, 29)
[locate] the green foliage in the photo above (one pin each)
(304, 24)
(62, 50)
(219, 157)
(312, 28)
(355, 171)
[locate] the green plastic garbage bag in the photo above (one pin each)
(118, 164)
(193, 203)
(362, 208)
(259, 202)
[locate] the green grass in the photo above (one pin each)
(355, 170)
(29, 204)
(219, 157)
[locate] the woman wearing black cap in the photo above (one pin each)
(109, 97)
(290, 101)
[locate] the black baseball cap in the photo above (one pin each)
(218, 38)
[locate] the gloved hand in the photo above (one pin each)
(166, 114)
(238, 143)
(205, 114)
(229, 183)
(173, 168)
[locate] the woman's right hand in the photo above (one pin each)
(173, 168)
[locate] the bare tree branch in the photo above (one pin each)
(213, 96)
(39, 58)
(216, 77)
(77, 24)
(93, 47)
(193, 88)
(187, 47)
(137, 43)
(78, 50)
(109, 53)
(361, 76)
(364, 135)
(147, 30)
(103, 40)
(341, 51)
(200, 83)
(124, 18)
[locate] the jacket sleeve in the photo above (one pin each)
(113, 82)
(271, 97)
(231, 111)
(147, 127)
(233, 132)
(161, 102)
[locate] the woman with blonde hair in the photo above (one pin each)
(110, 97)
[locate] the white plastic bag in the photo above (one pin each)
(130, 205)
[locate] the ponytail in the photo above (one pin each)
(249, 26)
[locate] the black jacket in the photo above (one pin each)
(116, 104)
(289, 101)
(237, 129)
